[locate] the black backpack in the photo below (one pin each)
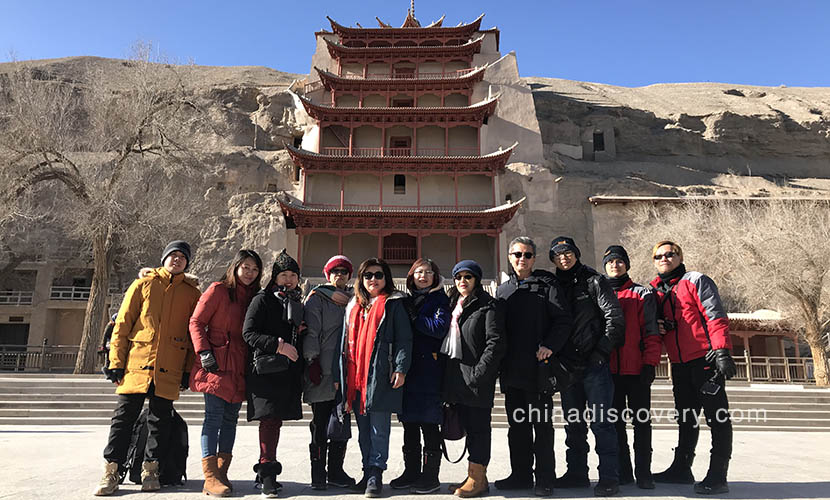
(172, 467)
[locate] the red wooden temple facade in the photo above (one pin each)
(395, 167)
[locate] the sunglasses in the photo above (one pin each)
(519, 255)
(378, 275)
(339, 271)
(667, 255)
(464, 277)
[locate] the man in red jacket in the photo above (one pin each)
(695, 333)
(633, 366)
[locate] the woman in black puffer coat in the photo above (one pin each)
(474, 348)
(274, 388)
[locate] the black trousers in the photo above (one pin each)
(687, 380)
(321, 412)
(632, 399)
(412, 436)
(530, 436)
(477, 424)
(124, 418)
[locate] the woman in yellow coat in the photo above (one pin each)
(150, 356)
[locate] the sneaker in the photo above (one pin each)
(150, 476)
(374, 483)
(109, 483)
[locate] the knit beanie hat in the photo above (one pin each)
(468, 265)
(562, 244)
(338, 261)
(616, 252)
(284, 262)
(177, 246)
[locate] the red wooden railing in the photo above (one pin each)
(370, 152)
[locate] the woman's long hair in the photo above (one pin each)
(410, 276)
(230, 280)
(361, 293)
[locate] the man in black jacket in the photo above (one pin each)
(599, 327)
(537, 327)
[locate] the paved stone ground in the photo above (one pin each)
(64, 462)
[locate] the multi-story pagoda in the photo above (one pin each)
(397, 161)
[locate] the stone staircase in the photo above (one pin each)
(60, 399)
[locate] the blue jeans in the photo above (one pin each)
(219, 427)
(596, 392)
(373, 436)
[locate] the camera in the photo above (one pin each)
(669, 325)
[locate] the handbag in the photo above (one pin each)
(452, 430)
(339, 427)
(266, 364)
(552, 376)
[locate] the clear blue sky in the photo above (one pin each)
(621, 42)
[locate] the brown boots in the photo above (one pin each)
(223, 461)
(213, 485)
(476, 483)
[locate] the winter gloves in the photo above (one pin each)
(315, 371)
(647, 374)
(208, 360)
(185, 383)
(723, 362)
(114, 375)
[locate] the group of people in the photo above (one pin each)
(362, 348)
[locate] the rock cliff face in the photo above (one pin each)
(673, 139)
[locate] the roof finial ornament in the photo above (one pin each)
(412, 7)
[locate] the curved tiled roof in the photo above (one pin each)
(435, 28)
(469, 48)
(474, 112)
(330, 80)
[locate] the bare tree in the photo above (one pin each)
(118, 150)
(763, 253)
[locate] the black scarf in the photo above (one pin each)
(666, 278)
(618, 282)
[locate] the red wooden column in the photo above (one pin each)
(380, 185)
(305, 186)
(493, 184)
(383, 140)
(380, 244)
(342, 190)
(797, 346)
(457, 246)
(351, 140)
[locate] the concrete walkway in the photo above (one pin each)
(64, 463)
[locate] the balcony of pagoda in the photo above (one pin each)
(436, 78)
(428, 160)
(394, 140)
(401, 52)
(432, 34)
(385, 116)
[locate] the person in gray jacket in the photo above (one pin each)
(325, 307)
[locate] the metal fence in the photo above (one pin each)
(61, 358)
(16, 297)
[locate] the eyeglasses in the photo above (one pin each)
(378, 275)
(519, 255)
(464, 277)
(427, 272)
(667, 255)
(339, 271)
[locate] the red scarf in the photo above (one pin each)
(362, 331)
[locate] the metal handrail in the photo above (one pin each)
(75, 292)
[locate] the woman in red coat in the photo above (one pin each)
(219, 371)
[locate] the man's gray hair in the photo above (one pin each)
(524, 240)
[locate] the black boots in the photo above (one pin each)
(680, 470)
(515, 482)
(428, 481)
(642, 469)
(573, 479)
(412, 468)
(317, 454)
(266, 475)
(715, 480)
(374, 482)
(336, 475)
